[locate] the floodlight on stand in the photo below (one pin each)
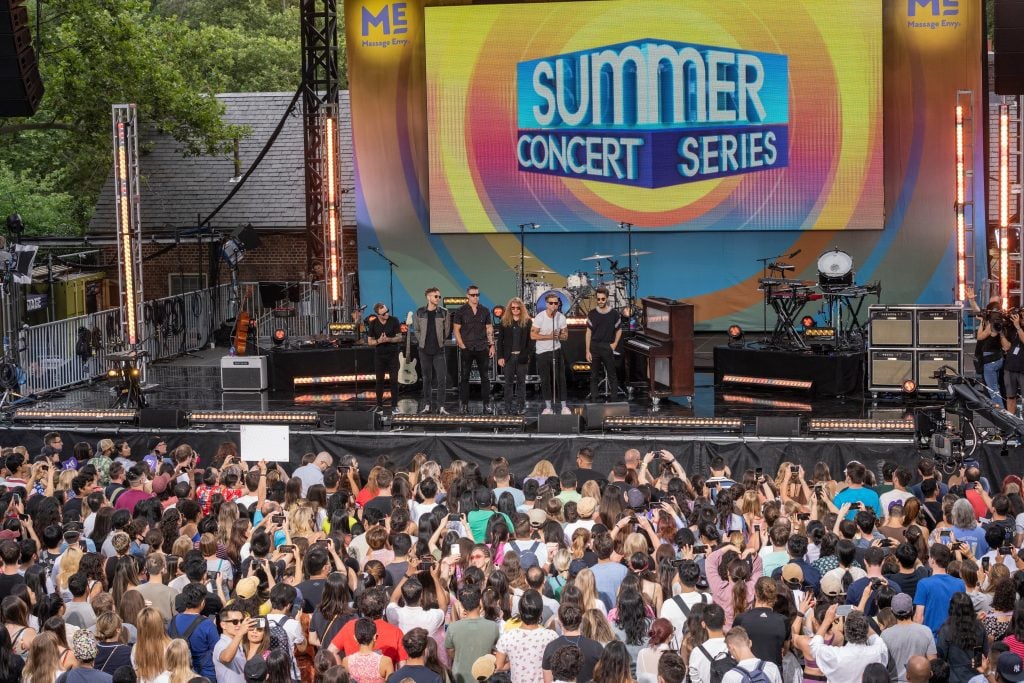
(15, 225)
(279, 336)
(735, 335)
(807, 322)
(232, 252)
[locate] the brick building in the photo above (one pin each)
(179, 191)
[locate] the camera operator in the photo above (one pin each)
(988, 353)
(1012, 338)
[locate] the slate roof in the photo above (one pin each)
(175, 187)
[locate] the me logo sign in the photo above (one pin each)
(934, 8)
(388, 20)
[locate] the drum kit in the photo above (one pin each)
(578, 295)
(836, 287)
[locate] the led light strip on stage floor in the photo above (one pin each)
(773, 382)
(334, 379)
(766, 402)
(456, 421)
(304, 417)
(819, 425)
(74, 415)
(655, 422)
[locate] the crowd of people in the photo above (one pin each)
(169, 567)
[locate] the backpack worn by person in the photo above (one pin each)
(757, 675)
(720, 665)
(527, 558)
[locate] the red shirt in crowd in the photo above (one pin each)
(389, 640)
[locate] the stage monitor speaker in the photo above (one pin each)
(161, 418)
(890, 368)
(595, 413)
(939, 327)
(355, 421)
(243, 373)
(559, 424)
(930, 361)
(21, 88)
(1008, 46)
(784, 425)
(892, 327)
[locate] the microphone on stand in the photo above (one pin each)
(794, 253)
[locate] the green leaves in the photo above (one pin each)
(167, 56)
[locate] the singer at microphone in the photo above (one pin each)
(550, 329)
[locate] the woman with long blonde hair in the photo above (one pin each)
(149, 655)
(541, 471)
(43, 664)
(587, 584)
(179, 662)
(514, 352)
(69, 562)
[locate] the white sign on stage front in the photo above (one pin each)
(264, 442)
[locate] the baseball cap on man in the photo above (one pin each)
(792, 574)
(1010, 667)
(832, 585)
(902, 605)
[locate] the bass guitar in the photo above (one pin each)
(407, 366)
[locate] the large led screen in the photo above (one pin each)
(694, 115)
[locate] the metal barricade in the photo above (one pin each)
(309, 316)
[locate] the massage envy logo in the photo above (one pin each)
(653, 113)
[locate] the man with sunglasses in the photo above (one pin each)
(550, 329)
(384, 334)
(432, 325)
(604, 330)
(228, 653)
(474, 333)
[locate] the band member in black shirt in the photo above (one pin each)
(604, 330)
(384, 334)
(474, 333)
(432, 326)
(1012, 337)
(514, 350)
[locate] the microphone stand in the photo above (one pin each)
(522, 259)
(768, 289)
(630, 291)
(391, 275)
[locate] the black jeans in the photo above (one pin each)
(386, 363)
(483, 364)
(602, 356)
(435, 371)
(515, 381)
(545, 361)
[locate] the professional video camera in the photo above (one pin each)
(999, 319)
(953, 440)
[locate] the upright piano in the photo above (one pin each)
(664, 347)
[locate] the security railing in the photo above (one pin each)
(303, 318)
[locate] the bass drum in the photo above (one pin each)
(835, 268)
(579, 280)
(563, 296)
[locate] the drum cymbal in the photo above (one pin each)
(516, 256)
(637, 253)
(596, 257)
(541, 272)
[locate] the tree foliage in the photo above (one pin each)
(167, 56)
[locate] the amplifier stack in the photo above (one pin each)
(913, 342)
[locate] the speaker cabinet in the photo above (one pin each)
(939, 327)
(930, 361)
(21, 88)
(890, 368)
(1008, 44)
(559, 424)
(892, 327)
(355, 421)
(161, 418)
(784, 425)
(243, 373)
(594, 414)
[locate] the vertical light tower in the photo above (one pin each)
(129, 222)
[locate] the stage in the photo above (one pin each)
(192, 383)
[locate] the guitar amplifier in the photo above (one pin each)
(243, 373)
(939, 327)
(930, 361)
(889, 368)
(891, 326)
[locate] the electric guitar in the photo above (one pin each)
(406, 367)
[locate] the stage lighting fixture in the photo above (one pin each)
(498, 311)
(773, 382)
(74, 415)
(460, 421)
(761, 402)
(807, 322)
(252, 417)
(576, 322)
(581, 367)
(1004, 206)
(961, 229)
(128, 223)
(450, 301)
(861, 425)
(820, 336)
(280, 336)
(735, 335)
(334, 379)
(340, 397)
(331, 242)
(623, 422)
(909, 387)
